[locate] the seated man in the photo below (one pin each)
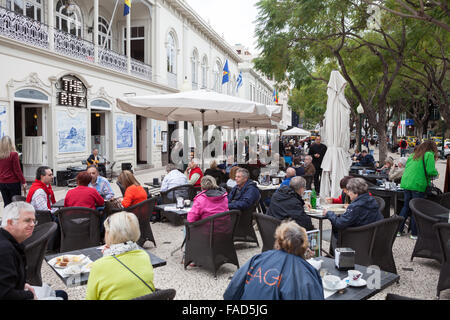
(41, 195)
(100, 183)
(194, 173)
(367, 160)
(287, 203)
(93, 158)
(174, 178)
(216, 172)
(290, 173)
(395, 174)
(245, 194)
(363, 209)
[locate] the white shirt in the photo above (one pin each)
(173, 179)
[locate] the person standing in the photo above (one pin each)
(11, 176)
(403, 146)
(317, 152)
(414, 181)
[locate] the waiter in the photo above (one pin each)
(317, 152)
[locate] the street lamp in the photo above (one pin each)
(360, 111)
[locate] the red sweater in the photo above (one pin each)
(134, 195)
(10, 171)
(82, 196)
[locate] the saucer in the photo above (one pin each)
(361, 282)
(340, 286)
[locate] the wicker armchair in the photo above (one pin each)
(187, 191)
(245, 232)
(443, 234)
(372, 243)
(159, 294)
(80, 228)
(267, 226)
(382, 205)
(18, 198)
(35, 248)
(427, 245)
(143, 211)
(209, 242)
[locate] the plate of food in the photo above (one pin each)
(67, 260)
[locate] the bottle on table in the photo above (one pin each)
(313, 198)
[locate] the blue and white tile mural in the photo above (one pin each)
(3, 121)
(71, 132)
(124, 131)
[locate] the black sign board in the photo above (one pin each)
(72, 92)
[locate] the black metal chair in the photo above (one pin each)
(209, 242)
(245, 232)
(427, 245)
(18, 198)
(372, 243)
(382, 205)
(159, 294)
(443, 199)
(35, 248)
(186, 191)
(43, 216)
(143, 210)
(267, 226)
(80, 228)
(442, 231)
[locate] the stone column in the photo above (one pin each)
(95, 31)
(51, 25)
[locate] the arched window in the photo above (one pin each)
(171, 53)
(194, 69)
(217, 71)
(69, 22)
(103, 36)
(29, 8)
(204, 72)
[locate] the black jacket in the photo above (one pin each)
(12, 269)
(286, 203)
(320, 149)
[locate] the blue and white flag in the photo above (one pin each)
(239, 81)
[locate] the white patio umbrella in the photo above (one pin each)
(296, 132)
(198, 105)
(336, 136)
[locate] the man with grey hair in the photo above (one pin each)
(174, 178)
(17, 225)
(290, 173)
(245, 193)
(287, 203)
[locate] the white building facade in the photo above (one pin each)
(64, 63)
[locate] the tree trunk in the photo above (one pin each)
(383, 149)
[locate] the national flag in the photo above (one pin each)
(226, 73)
(275, 95)
(239, 81)
(126, 7)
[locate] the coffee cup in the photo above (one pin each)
(187, 203)
(331, 281)
(354, 276)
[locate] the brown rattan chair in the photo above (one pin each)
(267, 226)
(159, 294)
(372, 243)
(35, 248)
(80, 228)
(427, 245)
(144, 210)
(18, 198)
(443, 234)
(209, 242)
(245, 232)
(187, 191)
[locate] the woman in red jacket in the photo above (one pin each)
(11, 176)
(83, 196)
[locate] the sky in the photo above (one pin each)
(232, 18)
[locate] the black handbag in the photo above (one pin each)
(431, 190)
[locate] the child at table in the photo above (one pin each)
(343, 198)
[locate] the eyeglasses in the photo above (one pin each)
(30, 221)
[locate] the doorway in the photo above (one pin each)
(99, 123)
(141, 139)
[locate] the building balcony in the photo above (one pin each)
(36, 34)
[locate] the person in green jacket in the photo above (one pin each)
(414, 181)
(125, 271)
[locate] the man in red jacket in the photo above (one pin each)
(41, 195)
(194, 173)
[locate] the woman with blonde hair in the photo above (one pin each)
(134, 192)
(11, 176)
(279, 274)
(125, 271)
(232, 180)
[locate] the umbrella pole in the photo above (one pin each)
(203, 135)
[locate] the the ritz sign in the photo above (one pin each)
(72, 92)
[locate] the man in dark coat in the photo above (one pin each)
(17, 225)
(245, 194)
(317, 152)
(287, 203)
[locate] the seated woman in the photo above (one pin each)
(363, 209)
(125, 271)
(83, 196)
(211, 200)
(343, 198)
(287, 275)
(232, 181)
(216, 172)
(134, 192)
